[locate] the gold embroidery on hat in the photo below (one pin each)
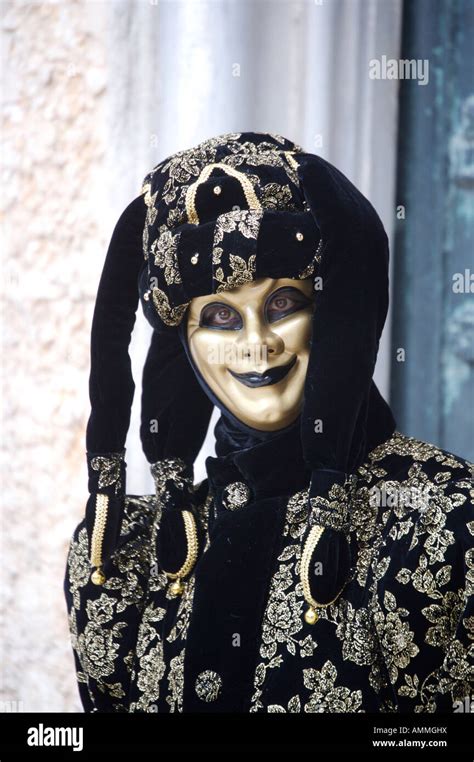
(247, 187)
(170, 315)
(165, 253)
(278, 197)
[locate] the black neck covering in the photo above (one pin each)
(250, 449)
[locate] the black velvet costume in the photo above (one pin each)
(391, 579)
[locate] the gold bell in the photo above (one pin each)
(177, 587)
(311, 616)
(98, 577)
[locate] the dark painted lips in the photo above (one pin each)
(271, 375)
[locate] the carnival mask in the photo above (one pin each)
(251, 345)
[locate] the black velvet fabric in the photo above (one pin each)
(111, 385)
(175, 410)
(281, 240)
(348, 321)
(139, 648)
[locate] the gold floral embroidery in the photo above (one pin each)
(264, 153)
(444, 617)
(165, 254)
(170, 315)
(378, 635)
(423, 579)
(469, 556)
(98, 644)
(399, 444)
(278, 197)
(185, 166)
(375, 631)
(242, 272)
(325, 695)
(395, 636)
(172, 470)
(176, 683)
(244, 221)
(294, 706)
(98, 641)
(331, 511)
(109, 470)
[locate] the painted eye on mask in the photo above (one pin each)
(281, 303)
(285, 301)
(219, 315)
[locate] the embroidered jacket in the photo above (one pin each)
(400, 638)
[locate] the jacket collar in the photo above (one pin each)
(271, 467)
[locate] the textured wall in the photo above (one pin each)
(53, 167)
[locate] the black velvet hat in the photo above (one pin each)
(233, 209)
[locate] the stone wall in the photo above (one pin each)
(53, 170)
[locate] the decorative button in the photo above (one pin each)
(195, 258)
(146, 295)
(208, 685)
(217, 190)
(235, 495)
(299, 236)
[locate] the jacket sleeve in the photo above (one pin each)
(455, 682)
(426, 622)
(104, 619)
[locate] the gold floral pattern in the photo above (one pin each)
(399, 638)
(278, 197)
(169, 470)
(325, 695)
(166, 190)
(380, 635)
(165, 255)
(235, 270)
(109, 470)
(244, 221)
(170, 315)
(242, 272)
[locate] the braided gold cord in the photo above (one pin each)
(312, 541)
(97, 540)
(247, 187)
(192, 542)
